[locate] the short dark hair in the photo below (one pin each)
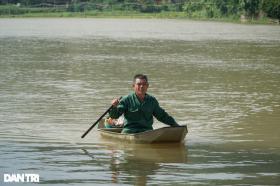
(140, 76)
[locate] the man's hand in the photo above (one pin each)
(115, 102)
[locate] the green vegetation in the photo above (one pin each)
(244, 10)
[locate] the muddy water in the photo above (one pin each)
(57, 76)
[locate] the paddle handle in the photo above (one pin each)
(93, 125)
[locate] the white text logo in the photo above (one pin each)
(21, 178)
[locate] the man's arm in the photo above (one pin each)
(163, 116)
(117, 109)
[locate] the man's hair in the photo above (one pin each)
(140, 76)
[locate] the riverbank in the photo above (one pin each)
(135, 14)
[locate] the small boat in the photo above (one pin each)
(161, 135)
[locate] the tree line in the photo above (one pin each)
(193, 8)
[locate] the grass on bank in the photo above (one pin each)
(14, 12)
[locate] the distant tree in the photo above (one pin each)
(272, 8)
(252, 7)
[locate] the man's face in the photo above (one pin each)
(140, 86)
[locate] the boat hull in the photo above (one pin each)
(161, 135)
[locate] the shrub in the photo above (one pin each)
(272, 8)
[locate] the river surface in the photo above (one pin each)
(222, 80)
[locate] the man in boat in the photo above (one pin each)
(139, 108)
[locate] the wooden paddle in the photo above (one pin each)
(93, 125)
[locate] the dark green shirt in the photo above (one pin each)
(138, 116)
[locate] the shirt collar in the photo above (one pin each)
(138, 100)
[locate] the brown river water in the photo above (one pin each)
(222, 80)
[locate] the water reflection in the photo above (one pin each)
(138, 162)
